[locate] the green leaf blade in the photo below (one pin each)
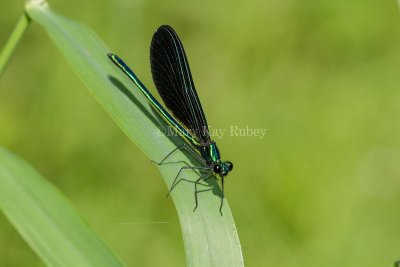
(210, 239)
(46, 220)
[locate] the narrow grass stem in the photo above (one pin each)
(13, 41)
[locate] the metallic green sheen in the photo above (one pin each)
(171, 120)
(214, 152)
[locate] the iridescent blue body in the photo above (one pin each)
(173, 80)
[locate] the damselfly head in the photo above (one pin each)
(223, 168)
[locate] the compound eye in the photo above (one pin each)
(217, 168)
(229, 165)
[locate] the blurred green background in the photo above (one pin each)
(321, 189)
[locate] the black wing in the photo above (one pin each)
(172, 77)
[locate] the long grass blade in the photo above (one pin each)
(210, 239)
